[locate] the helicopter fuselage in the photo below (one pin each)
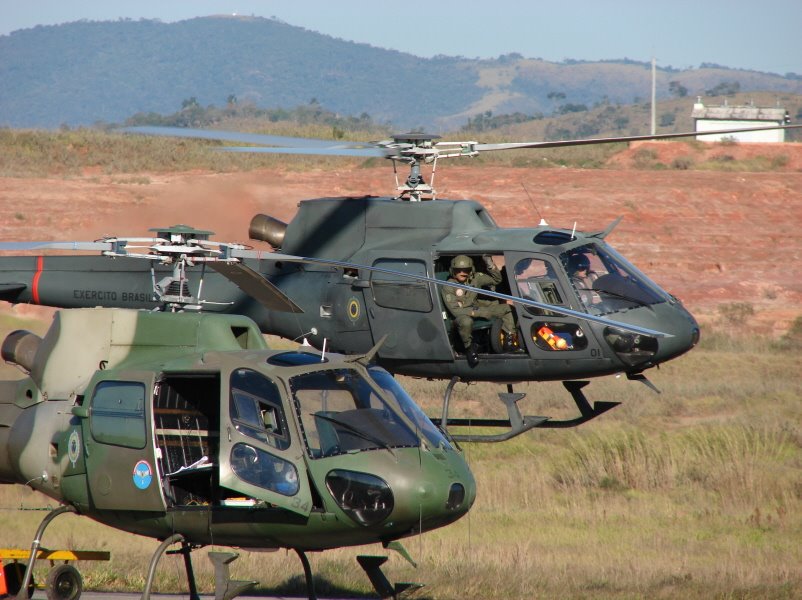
(165, 423)
(349, 310)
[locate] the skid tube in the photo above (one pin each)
(517, 423)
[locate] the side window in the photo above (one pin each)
(264, 469)
(554, 336)
(256, 409)
(535, 280)
(391, 291)
(118, 414)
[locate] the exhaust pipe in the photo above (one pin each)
(19, 348)
(267, 229)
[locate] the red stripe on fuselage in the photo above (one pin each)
(40, 266)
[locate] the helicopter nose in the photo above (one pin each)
(440, 493)
(685, 335)
(405, 493)
(638, 351)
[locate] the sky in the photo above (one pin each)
(741, 34)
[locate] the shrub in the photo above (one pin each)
(736, 313)
(682, 163)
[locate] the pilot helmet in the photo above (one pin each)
(461, 262)
(578, 262)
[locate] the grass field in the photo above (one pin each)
(693, 493)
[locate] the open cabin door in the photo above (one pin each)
(119, 451)
(186, 428)
(261, 457)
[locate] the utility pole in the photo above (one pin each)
(654, 96)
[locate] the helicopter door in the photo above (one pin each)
(546, 334)
(405, 311)
(119, 451)
(261, 458)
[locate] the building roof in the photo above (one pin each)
(738, 113)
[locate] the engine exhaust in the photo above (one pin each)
(19, 348)
(267, 229)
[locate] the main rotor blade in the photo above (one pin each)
(332, 151)
(422, 278)
(244, 138)
(256, 286)
(611, 140)
(89, 246)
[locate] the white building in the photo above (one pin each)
(714, 118)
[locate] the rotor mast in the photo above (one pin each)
(415, 149)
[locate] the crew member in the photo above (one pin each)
(466, 305)
(583, 277)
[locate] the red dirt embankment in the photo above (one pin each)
(709, 237)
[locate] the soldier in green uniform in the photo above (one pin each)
(465, 306)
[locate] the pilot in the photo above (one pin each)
(465, 306)
(583, 277)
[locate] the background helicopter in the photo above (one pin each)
(184, 427)
(627, 325)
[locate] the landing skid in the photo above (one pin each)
(517, 423)
(226, 588)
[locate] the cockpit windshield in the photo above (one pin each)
(606, 282)
(341, 412)
(412, 411)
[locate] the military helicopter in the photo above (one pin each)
(379, 264)
(185, 427)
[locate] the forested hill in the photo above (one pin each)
(87, 72)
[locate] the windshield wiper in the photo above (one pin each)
(635, 301)
(355, 430)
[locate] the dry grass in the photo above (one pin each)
(73, 153)
(34, 153)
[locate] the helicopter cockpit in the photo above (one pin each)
(341, 412)
(606, 282)
(589, 277)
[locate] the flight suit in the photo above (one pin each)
(465, 305)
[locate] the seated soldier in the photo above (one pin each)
(466, 305)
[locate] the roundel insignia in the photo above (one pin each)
(74, 447)
(143, 474)
(354, 309)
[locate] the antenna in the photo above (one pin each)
(528, 195)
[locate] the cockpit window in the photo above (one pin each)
(409, 408)
(605, 282)
(256, 409)
(535, 280)
(340, 412)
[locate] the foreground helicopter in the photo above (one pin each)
(186, 428)
(358, 269)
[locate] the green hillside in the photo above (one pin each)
(86, 72)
